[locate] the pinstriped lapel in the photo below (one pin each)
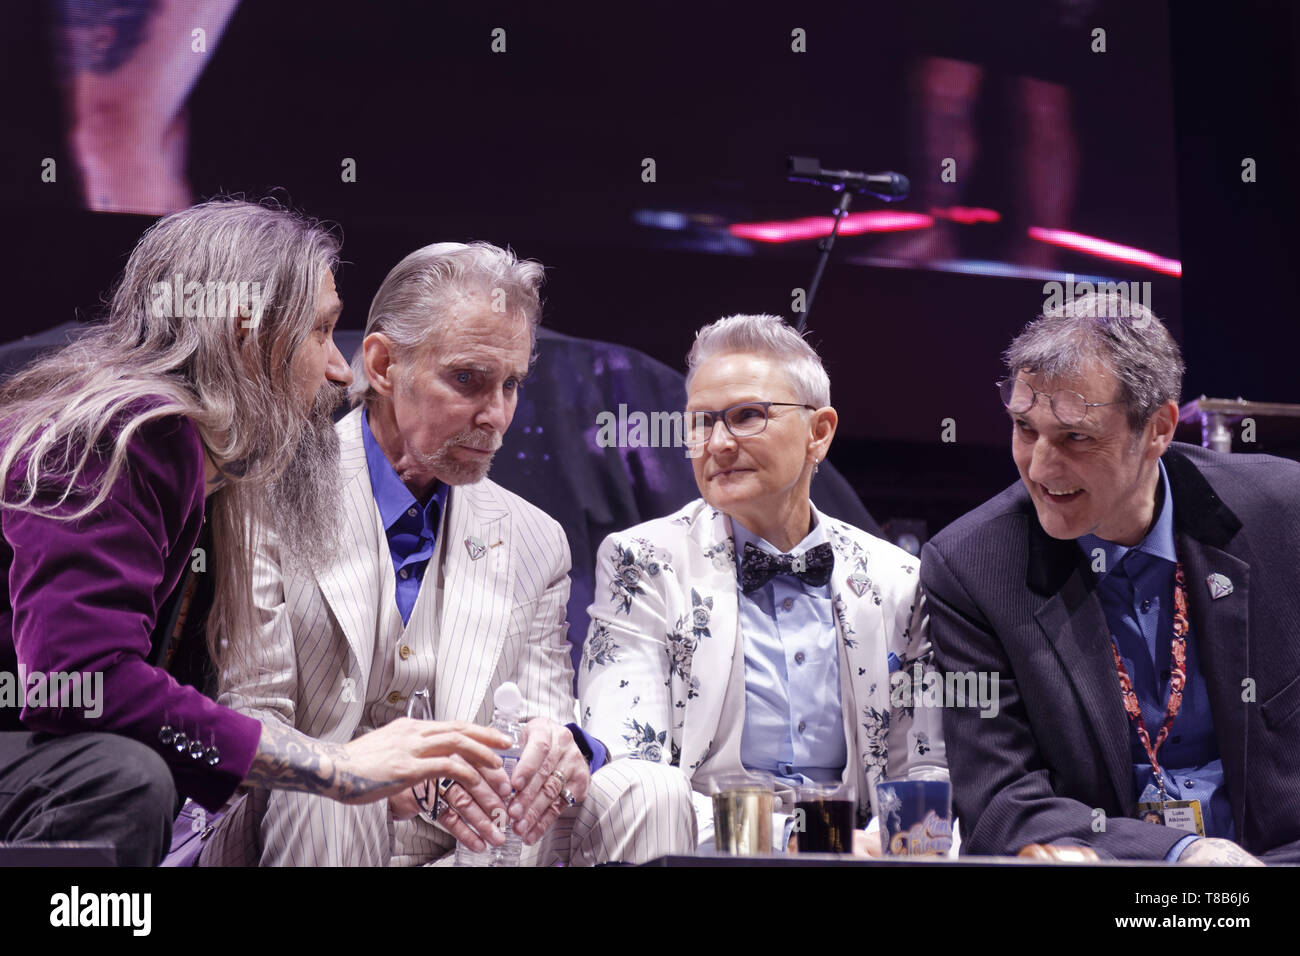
(712, 659)
(354, 582)
(476, 600)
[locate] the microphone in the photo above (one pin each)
(890, 186)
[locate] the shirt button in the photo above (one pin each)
(1146, 606)
(412, 512)
(1189, 784)
(798, 657)
(405, 652)
(802, 726)
(395, 698)
(403, 574)
(787, 604)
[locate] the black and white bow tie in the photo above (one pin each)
(757, 567)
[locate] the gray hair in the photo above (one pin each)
(421, 290)
(767, 335)
(1123, 337)
(150, 359)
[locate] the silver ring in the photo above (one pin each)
(569, 798)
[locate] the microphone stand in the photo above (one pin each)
(846, 199)
(887, 186)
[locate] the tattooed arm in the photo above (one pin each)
(375, 765)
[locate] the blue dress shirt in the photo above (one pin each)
(1136, 588)
(794, 726)
(412, 528)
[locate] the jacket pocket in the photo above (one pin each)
(1282, 706)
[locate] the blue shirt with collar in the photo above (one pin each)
(1136, 589)
(412, 531)
(412, 528)
(794, 726)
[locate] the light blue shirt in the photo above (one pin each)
(794, 726)
(1136, 589)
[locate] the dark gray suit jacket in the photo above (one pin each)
(1006, 597)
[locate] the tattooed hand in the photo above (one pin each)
(1213, 851)
(378, 764)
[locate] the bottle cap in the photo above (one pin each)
(507, 700)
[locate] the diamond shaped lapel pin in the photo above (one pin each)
(475, 547)
(859, 583)
(1219, 585)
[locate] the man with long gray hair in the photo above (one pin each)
(212, 379)
(454, 585)
(1137, 600)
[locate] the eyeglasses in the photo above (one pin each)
(743, 420)
(1069, 407)
(421, 708)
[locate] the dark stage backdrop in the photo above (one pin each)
(410, 123)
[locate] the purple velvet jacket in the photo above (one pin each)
(84, 597)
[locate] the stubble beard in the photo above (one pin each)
(453, 471)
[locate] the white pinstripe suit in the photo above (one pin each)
(334, 660)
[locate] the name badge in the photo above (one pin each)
(1180, 814)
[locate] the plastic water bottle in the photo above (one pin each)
(506, 702)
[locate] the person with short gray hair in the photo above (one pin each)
(1136, 598)
(423, 291)
(765, 335)
(1122, 336)
(748, 631)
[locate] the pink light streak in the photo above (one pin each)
(859, 223)
(1107, 250)
(967, 215)
(814, 227)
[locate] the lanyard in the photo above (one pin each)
(1177, 680)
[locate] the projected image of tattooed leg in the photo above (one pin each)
(127, 69)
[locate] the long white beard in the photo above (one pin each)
(303, 502)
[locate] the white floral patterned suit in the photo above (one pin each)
(662, 675)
